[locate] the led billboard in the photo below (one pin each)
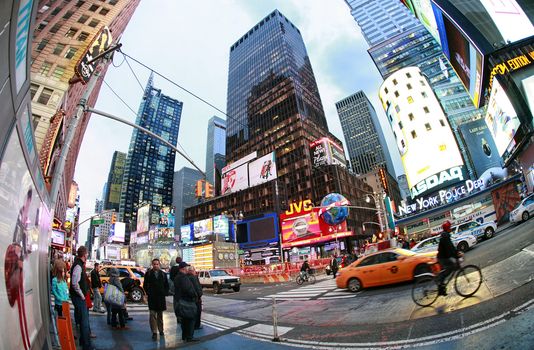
(262, 169)
(326, 152)
(235, 179)
(117, 232)
(166, 217)
(185, 233)
(202, 228)
(221, 226)
(58, 238)
(510, 19)
(143, 218)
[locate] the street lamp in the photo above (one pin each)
(234, 217)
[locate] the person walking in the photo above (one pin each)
(59, 289)
(172, 276)
(116, 310)
(198, 288)
(78, 288)
(185, 289)
(96, 284)
(156, 287)
(334, 265)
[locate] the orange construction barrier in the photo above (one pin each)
(64, 329)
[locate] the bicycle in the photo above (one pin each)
(305, 277)
(467, 281)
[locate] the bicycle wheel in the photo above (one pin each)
(311, 278)
(299, 280)
(425, 291)
(468, 280)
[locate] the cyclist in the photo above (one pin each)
(304, 269)
(447, 256)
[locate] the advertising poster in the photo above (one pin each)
(510, 19)
(299, 227)
(481, 146)
(319, 153)
(165, 234)
(117, 232)
(58, 238)
(143, 218)
(501, 118)
(112, 252)
(505, 200)
(185, 234)
(221, 226)
(202, 228)
(423, 10)
(142, 238)
(166, 217)
(337, 155)
(235, 180)
(25, 223)
(262, 169)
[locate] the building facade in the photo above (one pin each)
(364, 138)
(112, 194)
(149, 168)
(63, 31)
(215, 150)
(183, 192)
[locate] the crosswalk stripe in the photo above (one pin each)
(323, 290)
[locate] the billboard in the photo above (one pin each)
(185, 233)
(262, 169)
(480, 145)
(235, 179)
(424, 12)
(166, 217)
(117, 232)
(221, 226)
(84, 67)
(502, 119)
(202, 228)
(58, 238)
(143, 218)
(326, 152)
(510, 19)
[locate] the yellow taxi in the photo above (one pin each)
(384, 267)
(131, 278)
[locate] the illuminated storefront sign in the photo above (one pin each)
(509, 65)
(326, 152)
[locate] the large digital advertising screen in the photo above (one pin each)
(510, 19)
(117, 232)
(235, 179)
(185, 233)
(143, 218)
(502, 119)
(262, 169)
(166, 217)
(263, 229)
(221, 226)
(202, 228)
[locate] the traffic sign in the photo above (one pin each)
(96, 222)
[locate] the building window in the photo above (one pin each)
(410, 99)
(59, 49)
(35, 120)
(386, 90)
(68, 15)
(71, 33)
(442, 122)
(80, 3)
(104, 11)
(396, 94)
(45, 95)
(422, 82)
(410, 116)
(409, 86)
(42, 25)
(94, 23)
(93, 8)
(71, 52)
(41, 45)
(408, 75)
(424, 94)
(55, 11)
(33, 89)
(428, 127)
(45, 68)
(395, 82)
(55, 28)
(397, 108)
(414, 134)
(83, 19)
(113, 2)
(83, 36)
(58, 72)
(400, 125)
(426, 110)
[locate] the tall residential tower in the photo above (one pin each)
(215, 150)
(112, 191)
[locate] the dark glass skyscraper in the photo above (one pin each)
(112, 191)
(216, 149)
(149, 169)
(183, 195)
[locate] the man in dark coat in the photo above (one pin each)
(172, 275)
(156, 287)
(334, 265)
(198, 287)
(185, 289)
(96, 284)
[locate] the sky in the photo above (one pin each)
(188, 41)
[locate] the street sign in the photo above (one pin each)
(96, 222)
(101, 42)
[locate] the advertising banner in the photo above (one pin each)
(262, 169)
(221, 226)
(326, 152)
(166, 217)
(299, 227)
(101, 42)
(143, 218)
(117, 232)
(235, 179)
(112, 252)
(58, 238)
(510, 19)
(142, 238)
(185, 234)
(481, 146)
(337, 155)
(202, 228)
(165, 234)
(319, 153)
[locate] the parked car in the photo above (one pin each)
(524, 210)
(131, 278)
(480, 231)
(462, 243)
(219, 279)
(384, 267)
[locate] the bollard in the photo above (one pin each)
(275, 322)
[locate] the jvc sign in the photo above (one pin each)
(84, 70)
(435, 181)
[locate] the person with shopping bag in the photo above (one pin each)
(114, 296)
(186, 297)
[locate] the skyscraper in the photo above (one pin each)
(364, 138)
(112, 195)
(63, 31)
(183, 192)
(149, 168)
(216, 149)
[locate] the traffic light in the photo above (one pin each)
(209, 190)
(198, 189)
(113, 217)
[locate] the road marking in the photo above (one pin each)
(266, 329)
(230, 322)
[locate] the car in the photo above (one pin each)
(218, 279)
(384, 267)
(524, 210)
(480, 231)
(462, 243)
(131, 278)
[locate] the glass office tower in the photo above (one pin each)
(112, 191)
(149, 169)
(183, 195)
(216, 149)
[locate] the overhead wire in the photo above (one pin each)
(135, 75)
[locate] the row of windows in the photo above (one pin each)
(43, 96)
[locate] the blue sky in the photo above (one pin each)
(189, 42)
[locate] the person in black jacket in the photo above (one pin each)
(447, 256)
(185, 289)
(172, 276)
(198, 287)
(156, 287)
(96, 284)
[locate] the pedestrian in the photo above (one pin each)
(198, 287)
(96, 284)
(334, 265)
(405, 243)
(172, 276)
(184, 290)
(116, 310)
(156, 287)
(59, 289)
(412, 243)
(108, 305)
(78, 288)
